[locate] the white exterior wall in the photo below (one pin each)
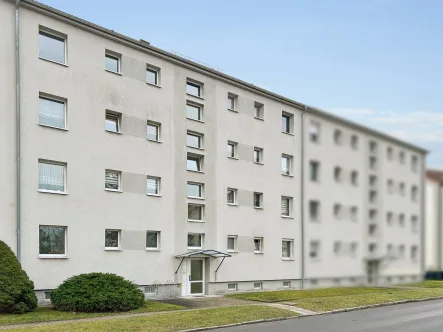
(87, 210)
(434, 227)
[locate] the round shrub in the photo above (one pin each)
(16, 290)
(97, 292)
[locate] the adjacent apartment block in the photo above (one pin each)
(120, 157)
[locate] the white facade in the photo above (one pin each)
(265, 241)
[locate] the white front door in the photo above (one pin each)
(196, 276)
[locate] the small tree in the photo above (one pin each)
(16, 289)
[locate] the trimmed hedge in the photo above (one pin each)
(97, 292)
(16, 289)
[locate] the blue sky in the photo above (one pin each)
(377, 62)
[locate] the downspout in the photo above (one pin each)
(302, 196)
(423, 217)
(18, 129)
(440, 226)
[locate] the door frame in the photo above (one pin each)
(188, 275)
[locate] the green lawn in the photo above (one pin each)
(427, 284)
(171, 322)
(46, 314)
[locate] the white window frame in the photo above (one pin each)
(354, 142)
(415, 224)
(259, 110)
(194, 84)
(289, 164)
(289, 118)
(158, 126)
(354, 213)
(202, 189)
(158, 179)
(200, 139)
(311, 167)
(65, 183)
(373, 147)
(373, 163)
(116, 115)
(47, 296)
(258, 285)
(54, 35)
(389, 218)
(232, 286)
(414, 193)
(286, 284)
(338, 211)
(354, 178)
(118, 248)
(317, 204)
(235, 194)
(259, 152)
(402, 220)
(314, 249)
(260, 251)
(289, 206)
(414, 164)
(202, 212)
(55, 99)
(232, 102)
(235, 249)
(202, 238)
(155, 70)
(119, 180)
(65, 255)
(402, 157)
(391, 186)
(158, 234)
(402, 188)
(389, 153)
(260, 200)
(338, 247)
(200, 111)
(199, 160)
(114, 55)
(338, 174)
(338, 137)
(234, 146)
(314, 132)
(291, 249)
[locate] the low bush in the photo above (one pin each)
(97, 292)
(16, 289)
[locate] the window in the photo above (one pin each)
(152, 75)
(232, 101)
(414, 163)
(391, 187)
(389, 218)
(259, 111)
(389, 153)
(354, 247)
(232, 149)
(52, 47)
(286, 164)
(286, 206)
(258, 155)
(286, 123)
(401, 251)
(195, 190)
(414, 193)
(314, 249)
(195, 241)
(52, 241)
(112, 122)
(194, 163)
(153, 185)
(153, 131)
(258, 285)
(258, 245)
(47, 296)
(372, 247)
(415, 225)
(112, 62)
(372, 163)
(389, 250)
(402, 188)
(401, 157)
(195, 212)
(414, 253)
(193, 111)
(51, 176)
(286, 284)
(314, 210)
(314, 168)
(232, 196)
(287, 249)
(373, 215)
(112, 239)
(338, 137)
(354, 178)
(401, 220)
(152, 240)
(314, 132)
(372, 180)
(232, 243)
(338, 211)
(232, 286)
(373, 147)
(372, 229)
(372, 196)
(52, 112)
(354, 213)
(258, 200)
(337, 247)
(338, 174)
(194, 140)
(354, 142)
(194, 89)
(112, 180)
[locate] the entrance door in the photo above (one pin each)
(196, 277)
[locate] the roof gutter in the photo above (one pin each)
(18, 129)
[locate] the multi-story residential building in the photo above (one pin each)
(434, 221)
(123, 158)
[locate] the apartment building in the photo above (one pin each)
(132, 160)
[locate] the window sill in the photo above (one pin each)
(52, 192)
(114, 190)
(113, 249)
(232, 251)
(199, 221)
(194, 147)
(52, 127)
(258, 208)
(113, 72)
(261, 119)
(154, 195)
(288, 175)
(195, 248)
(152, 84)
(56, 62)
(153, 249)
(190, 170)
(153, 141)
(261, 164)
(232, 204)
(232, 110)
(290, 134)
(200, 121)
(258, 252)
(199, 198)
(288, 259)
(53, 256)
(287, 217)
(234, 158)
(114, 132)
(198, 97)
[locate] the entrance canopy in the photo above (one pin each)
(203, 254)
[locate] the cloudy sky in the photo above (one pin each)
(376, 62)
